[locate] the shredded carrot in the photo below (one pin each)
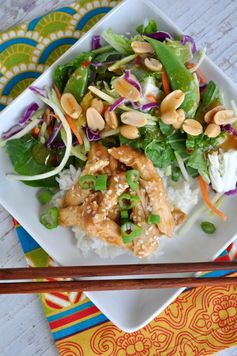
(35, 131)
(74, 129)
(151, 98)
(57, 91)
(204, 192)
(200, 75)
(165, 82)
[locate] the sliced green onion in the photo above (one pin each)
(153, 219)
(124, 217)
(129, 231)
(201, 209)
(101, 182)
(132, 177)
(50, 218)
(127, 201)
(208, 227)
(44, 196)
(124, 214)
(87, 182)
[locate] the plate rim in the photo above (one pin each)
(160, 13)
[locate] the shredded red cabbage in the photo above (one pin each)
(38, 91)
(12, 131)
(28, 113)
(232, 192)
(101, 64)
(54, 134)
(91, 135)
(135, 105)
(161, 36)
(95, 42)
(202, 87)
(185, 39)
(147, 107)
(58, 144)
(230, 129)
(117, 102)
(132, 81)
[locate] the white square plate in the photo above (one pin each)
(130, 310)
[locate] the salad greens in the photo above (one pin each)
(119, 42)
(29, 157)
(55, 140)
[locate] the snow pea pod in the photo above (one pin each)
(78, 81)
(179, 76)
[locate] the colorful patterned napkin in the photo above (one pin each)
(200, 321)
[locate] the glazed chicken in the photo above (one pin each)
(98, 213)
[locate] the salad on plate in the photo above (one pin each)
(130, 133)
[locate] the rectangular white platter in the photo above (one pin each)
(129, 310)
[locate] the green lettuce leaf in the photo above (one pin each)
(119, 42)
(146, 29)
(210, 98)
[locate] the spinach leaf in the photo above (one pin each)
(120, 43)
(149, 28)
(203, 142)
(160, 153)
(197, 160)
(210, 98)
(28, 157)
(166, 130)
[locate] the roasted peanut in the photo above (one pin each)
(127, 90)
(180, 119)
(153, 64)
(172, 101)
(94, 120)
(208, 117)
(224, 117)
(70, 105)
(212, 130)
(130, 132)
(141, 47)
(169, 118)
(192, 127)
(111, 119)
(98, 105)
(134, 118)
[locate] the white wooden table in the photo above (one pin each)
(23, 327)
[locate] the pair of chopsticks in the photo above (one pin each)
(42, 273)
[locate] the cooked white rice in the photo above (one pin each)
(181, 195)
